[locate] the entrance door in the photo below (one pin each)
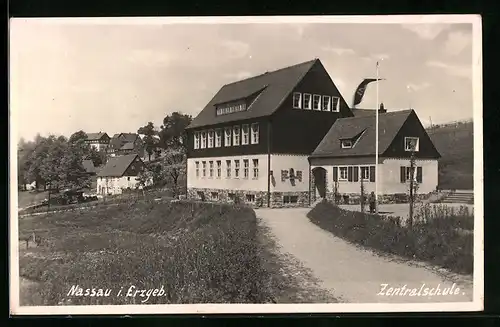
(319, 175)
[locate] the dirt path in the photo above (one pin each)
(351, 273)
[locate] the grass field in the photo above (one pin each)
(455, 143)
(187, 252)
(27, 198)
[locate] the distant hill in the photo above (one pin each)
(455, 143)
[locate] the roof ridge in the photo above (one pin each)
(272, 72)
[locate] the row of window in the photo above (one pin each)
(367, 173)
(317, 102)
(411, 143)
(215, 168)
(354, 173)
(233, 136)
(249, 198)
(113, 179)
(229, 109)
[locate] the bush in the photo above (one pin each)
(436, 240)
(199, 252)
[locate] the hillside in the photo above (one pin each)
(455, 144)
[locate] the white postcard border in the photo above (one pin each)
(478, 282)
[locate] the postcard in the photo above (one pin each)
(279, 164)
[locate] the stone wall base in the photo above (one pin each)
(355, 198)
(254, 198)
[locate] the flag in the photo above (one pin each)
(360, 91)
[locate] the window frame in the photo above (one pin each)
(246, 168)
(210, 139)
(307, 105)
(295, 94)
(417, 147)
(228, 136)
(343, 146)
(203, 140)
(197, 137)
(243, 127)
(236, 135)
(218, 138)
(211, 169)
(361, 176)
(219, 168)
(254, 134)
(203, 169)
(197, 169)
(408, 172)
(329, 107)
(340, 173)
(255, 163)
(318, 107)
(237, 168)
(228, 169)
(337, 104)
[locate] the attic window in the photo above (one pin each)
(229, 108)
(411, 144)
(346, 144)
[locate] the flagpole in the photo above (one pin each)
(376, 144)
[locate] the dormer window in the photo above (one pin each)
(346, 144)
(297, 100)
(307, 101)
(411, 144)
(229, 108)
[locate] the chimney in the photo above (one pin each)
(382, 110)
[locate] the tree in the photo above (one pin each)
(175, 166)
(61, 165)
(78, 136)
(98, 157)
(35, 160)
(149, 141)
(173, 129)
(145, 178)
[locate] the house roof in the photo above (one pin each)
(95, 136)
(130, 137)
(116, 166)
(389, 125)
(128, 146)
(88, 165)
(273, 86)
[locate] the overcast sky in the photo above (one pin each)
(116, 78)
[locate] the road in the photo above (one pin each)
(353, 274)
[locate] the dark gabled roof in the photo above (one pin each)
(116, 143)
(95, 136)
(273, 86)
(116, 166)
(389, 125)
(88, 165)
(128, 146)
(130, 137)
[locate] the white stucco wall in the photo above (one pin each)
(388, 176)
(285, 162)
(392, 179)
(115, 185)
(232, 183)
(99, 146)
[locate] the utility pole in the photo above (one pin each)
(412, 200)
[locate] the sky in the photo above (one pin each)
(117, 77)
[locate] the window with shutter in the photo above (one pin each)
(403, 174)
(419, 174)
(284, 175)
(299, 175)
(349, 174)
